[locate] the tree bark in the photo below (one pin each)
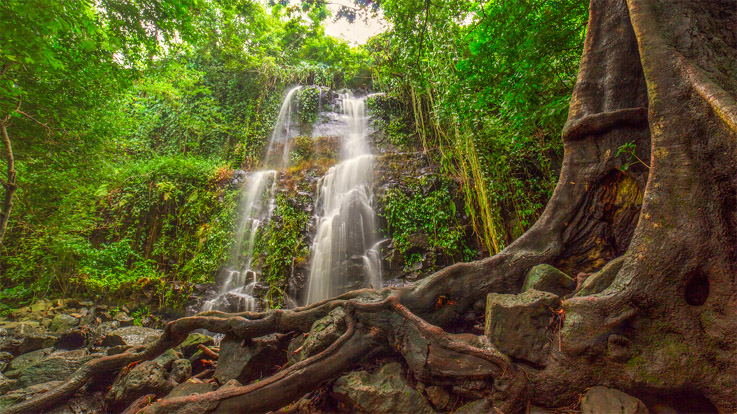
(656, 73)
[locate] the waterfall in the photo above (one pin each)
(256, 206)
(344, 252)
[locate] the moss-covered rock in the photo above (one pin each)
(546, 278)
(385, 391)
(518, 324)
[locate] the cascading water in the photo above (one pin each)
(344, 252)
(256, 206)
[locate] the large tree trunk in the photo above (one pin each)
(657, 73)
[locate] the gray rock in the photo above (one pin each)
(131, 336)
(102, 331)
(22, 337)
(181, 370)
(603, 400)
(16, 396)
(55, 368)
(517, 324)
(6, 384)
(258, 358)
(81, 403)
(5, 358)
(123, 319)
(597, 282)
(29, 358)
(191, 387)
(167, 359)
(476, 407)
(546, 278)
(63, 322)
(385, 391)
(148, 377)
(190, 345)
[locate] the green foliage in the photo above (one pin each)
(308, 103)
(282, 245)
(433, 214)
(487, 84)
(146, 109)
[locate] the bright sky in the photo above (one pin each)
(357, 32)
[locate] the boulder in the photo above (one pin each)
(81, 403)
(597, 282)
(22, 337)
(6, 384)
(193, 341)
(131, 336)
(5, 358)
(123, 319)
(385, 391)
(35, 312)
(28, 359)
(63, 322)
(20, 395)
(438, 397)
(258, 358)
(600, 400)
(57, 366)
(148, 377)
(181, 370)
(518, 324)
(546, 278)
(481, 406)
(102, 331)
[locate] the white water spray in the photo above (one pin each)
(257, 205)
(345, 253)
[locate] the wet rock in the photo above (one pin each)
(191, 344)
(476, 407)
(599, 400)
(118, 349)
(123, 319)
(131, 336)
(322, 333)
(35, 312)
(82, 403)
(5, 358)
(167, 359)
(20, 395)
(28, 359)
(438, 397)
(148, 377)
(190, 388)
(546, 278)
(63, 322)
(6, 384)
(22, 337)
(517, 324)
(597, 282)
(58, 366)
(102, 331)
(181, 370)
(256, 359)
(385, 391)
